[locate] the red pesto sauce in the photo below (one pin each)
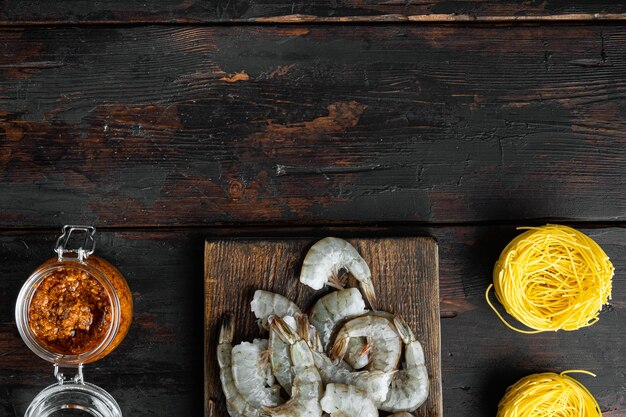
(70, 312)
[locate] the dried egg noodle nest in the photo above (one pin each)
(552, 278)
(548, 395)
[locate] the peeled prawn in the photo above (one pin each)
(385, 343)
(237, 404)
(374, 383)
(305, 397)
(342, 400)
(409, 386)
(327, 257)
(307, 383)
(333, 308)
(280, 358)
(252, 374)
(357, 355)
(266, 303)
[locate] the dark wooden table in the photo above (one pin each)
(167, 122)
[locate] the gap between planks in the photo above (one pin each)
(315, 228)
(312, 19)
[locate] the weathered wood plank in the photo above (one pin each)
(235, 268)
(169, 11)
(157, 370)
(203, 126)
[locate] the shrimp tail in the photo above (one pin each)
(283, 330)
(405, 332)
(368, 292)
(227, 330)
(303, 327)
(339, 349)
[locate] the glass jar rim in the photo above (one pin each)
(82, 396)
(24, 300)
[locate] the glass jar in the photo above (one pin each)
(74, 309)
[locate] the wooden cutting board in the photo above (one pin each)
(404, 272)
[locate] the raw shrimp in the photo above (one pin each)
(357, 355)
(327, 257)
(374, 383)
(237, 404)
(265, 304)
(409, 387)
(304, 401)
(333, 308)
(307, 383)
(386, 345)
(252, 374)
(347, 401)
(280, 358)
(298, 339)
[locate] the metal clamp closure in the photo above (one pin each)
(77, 379)
(83, 251)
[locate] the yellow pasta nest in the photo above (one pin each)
(552, 278)
(548, 395)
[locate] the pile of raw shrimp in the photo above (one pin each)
(340, 360)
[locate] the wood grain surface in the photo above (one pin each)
(404, 273)
(196, 11)
(171, 126)
(168, 122)
(157, 370)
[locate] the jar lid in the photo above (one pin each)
(73, 397)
